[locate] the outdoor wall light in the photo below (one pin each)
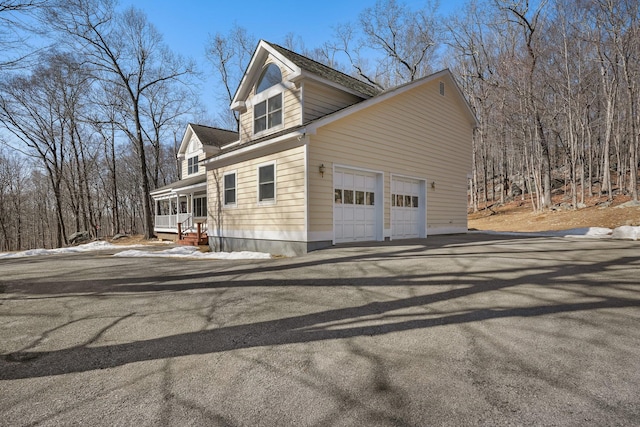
(433, 185)
(321, 169)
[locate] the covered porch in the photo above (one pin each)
(181, 208)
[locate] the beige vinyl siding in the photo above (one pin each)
(287, 214)
(320, 100)
(418, 133)
(291, 107)
(185, 164)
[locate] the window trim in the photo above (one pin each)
(224, 190)
(266, 202)
(265, 68)
(193, 206)
(191, 166)
(260, 99)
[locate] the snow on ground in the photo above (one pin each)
(93, 246)
(178, 252)
(624, 233)
(192, 252)
(620, 233)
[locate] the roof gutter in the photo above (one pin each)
(255, 147)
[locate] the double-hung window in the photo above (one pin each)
(192, 165)
(230, 189)
(267, 183)
(267, 114)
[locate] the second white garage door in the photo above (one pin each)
(354, 207)
(408, 211)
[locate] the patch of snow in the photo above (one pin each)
(626, 232)
(192, 252)
(87, 247)
(597, 232)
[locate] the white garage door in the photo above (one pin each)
(407, 208)
(354, 207)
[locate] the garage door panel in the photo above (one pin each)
(355, 213)
(406, 218)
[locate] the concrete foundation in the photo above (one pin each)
(273, 247)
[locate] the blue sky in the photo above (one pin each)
(187, 24)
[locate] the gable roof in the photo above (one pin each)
(326, 72)
(213, 136)
(300, 66)
(312, 126)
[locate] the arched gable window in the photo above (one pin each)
(268, 112)
(271, 76)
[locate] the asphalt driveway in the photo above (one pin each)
(452, 330)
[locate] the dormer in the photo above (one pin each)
(198, 143)
(281, 90)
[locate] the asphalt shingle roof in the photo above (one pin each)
(187, 182)
(214, 136)
(326, 72)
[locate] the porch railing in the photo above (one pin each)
(171, 221)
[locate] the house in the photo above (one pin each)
(323, 158)
(182, 205)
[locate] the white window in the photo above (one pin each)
(192, 165)
(230, 189)
(200, 206)
(267, 183)
(270, 77)
(267, 110)
(267, 114)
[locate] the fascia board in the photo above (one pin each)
(255, 147)
(263, 50)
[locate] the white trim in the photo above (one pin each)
(287, 235)
(299, 133)
(272, 129)
(195, 164)
(379, 195)
(269, 92)
(165, 230)
(205, 204)
(224, 190)
(422, 195)
(260, 55)
(305, 163)
(180, 190)
(268, 202)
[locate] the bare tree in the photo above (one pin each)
(230, 55)
(15, 30)
(406, 41)
(127, 53)
(32, 111)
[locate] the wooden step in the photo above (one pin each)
(192, 239)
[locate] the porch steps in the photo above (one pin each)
(192, 239)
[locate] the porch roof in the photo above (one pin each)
(183, 184)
